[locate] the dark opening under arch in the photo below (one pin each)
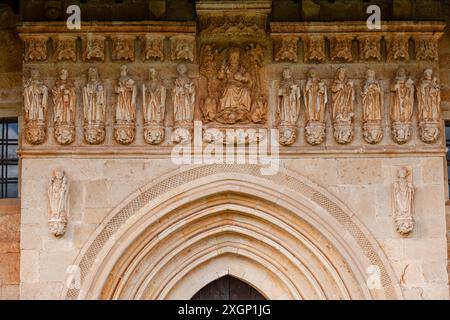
(227, 288)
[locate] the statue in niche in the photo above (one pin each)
(58, 193)
(125, 117)
(343, 97)
(316, 98)
(154, 99)
(35, 96)
(289, 96)
(403, 192)
(64, 103)
(429, 100)
(184, 95)
(402, 107)
(94, 108)
(372, 101)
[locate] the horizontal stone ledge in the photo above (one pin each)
(352, 27)
(58, 27)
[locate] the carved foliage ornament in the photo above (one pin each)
(64, 106)
(234, 26)
(65, 48)
(35, 96)
(315, 49)
(429, 99)
(369, 48)
(35, 48)
(426, 48)
(58, 194)
(93, 48)
(123, 47)
(183, 48)
(397, 48)
(125, 115)
(341, 48)
(152, 48)
(402, 198)
(285, 49)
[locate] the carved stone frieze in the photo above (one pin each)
(58, 195)
(343, 97)
(35, 97)
(426, 48)
(402, 198)
(183, 48)
(123, 47)
(369, 47)
(64, 107)
(341, 48)
(152, 47)
(397, 47)
(65, 48)
(285, 49)
(35, 47)
(402, 103)
(125, 115)
(234, 137)
(93, 47)
(429, 110)
(315, 49)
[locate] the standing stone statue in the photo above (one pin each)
(402, 193)
(35, 96)
(125, 117)
(94, 108)
(288, 107)
(316, 98)
(429, 100)
(64, 106)
(154, 97)
(184, 94)
(343, 97)
(402, 107)
(58, 193)
(372, 101)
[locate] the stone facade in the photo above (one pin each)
(355, 210)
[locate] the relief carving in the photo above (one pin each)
(426, 48)
(93, 48)
(64, 106)
(402, 107)
(123, 47)
(285, 49)
(65, 48)
(397, 48)
(343, 97)
(184, 95)
(35, 48)
(315, 49)
(341, 48)
(315, 98)
(372, 101)
(183, 48)
(429, 100)
(94, 108)
(35, 97)
(58, 194)
(125, 116)
(402, 194)
(154, 98)
(233, 27)
(289, 95)
(369, 48)
(153, 48)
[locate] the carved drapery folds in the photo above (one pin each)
(93, 47)
(35, 97)
(285, 49)
(429, 99)
(402, 107)
(183, 48)
(289, 95)
(125, 114)
(64, 48)
(315, 98)
(64, 107)
(372, 101)
(123, 47)
(343, 97)
(341, 48)
(402, 198)
(397, 47)
(154, 108)
(315, 49)
(184, 97)
(35, 47)
(94, 108)
(426, 48)
(58, 194)
(152, 47)
(369, 47)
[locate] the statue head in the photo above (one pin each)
(58, 174)
(181, 69)
(340, 74)
(402, 173)
(428, 74)
(92, 73)
(312, 73)
(234, 56)
(123, 70)
(63, 74)
(401, 74)
(370, 74)
(287, 74)
(152, 73)
(35, 74)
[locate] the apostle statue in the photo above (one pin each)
(35, 96)
(372, 101)
(343, 97)
(402, 192)
(183, 97)
(94, 99)
(58, 201)
(429, 98)
(403, 101)
(126, 90)
(288, 99)
(154, 97)
(315, 97)
(64, 106)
